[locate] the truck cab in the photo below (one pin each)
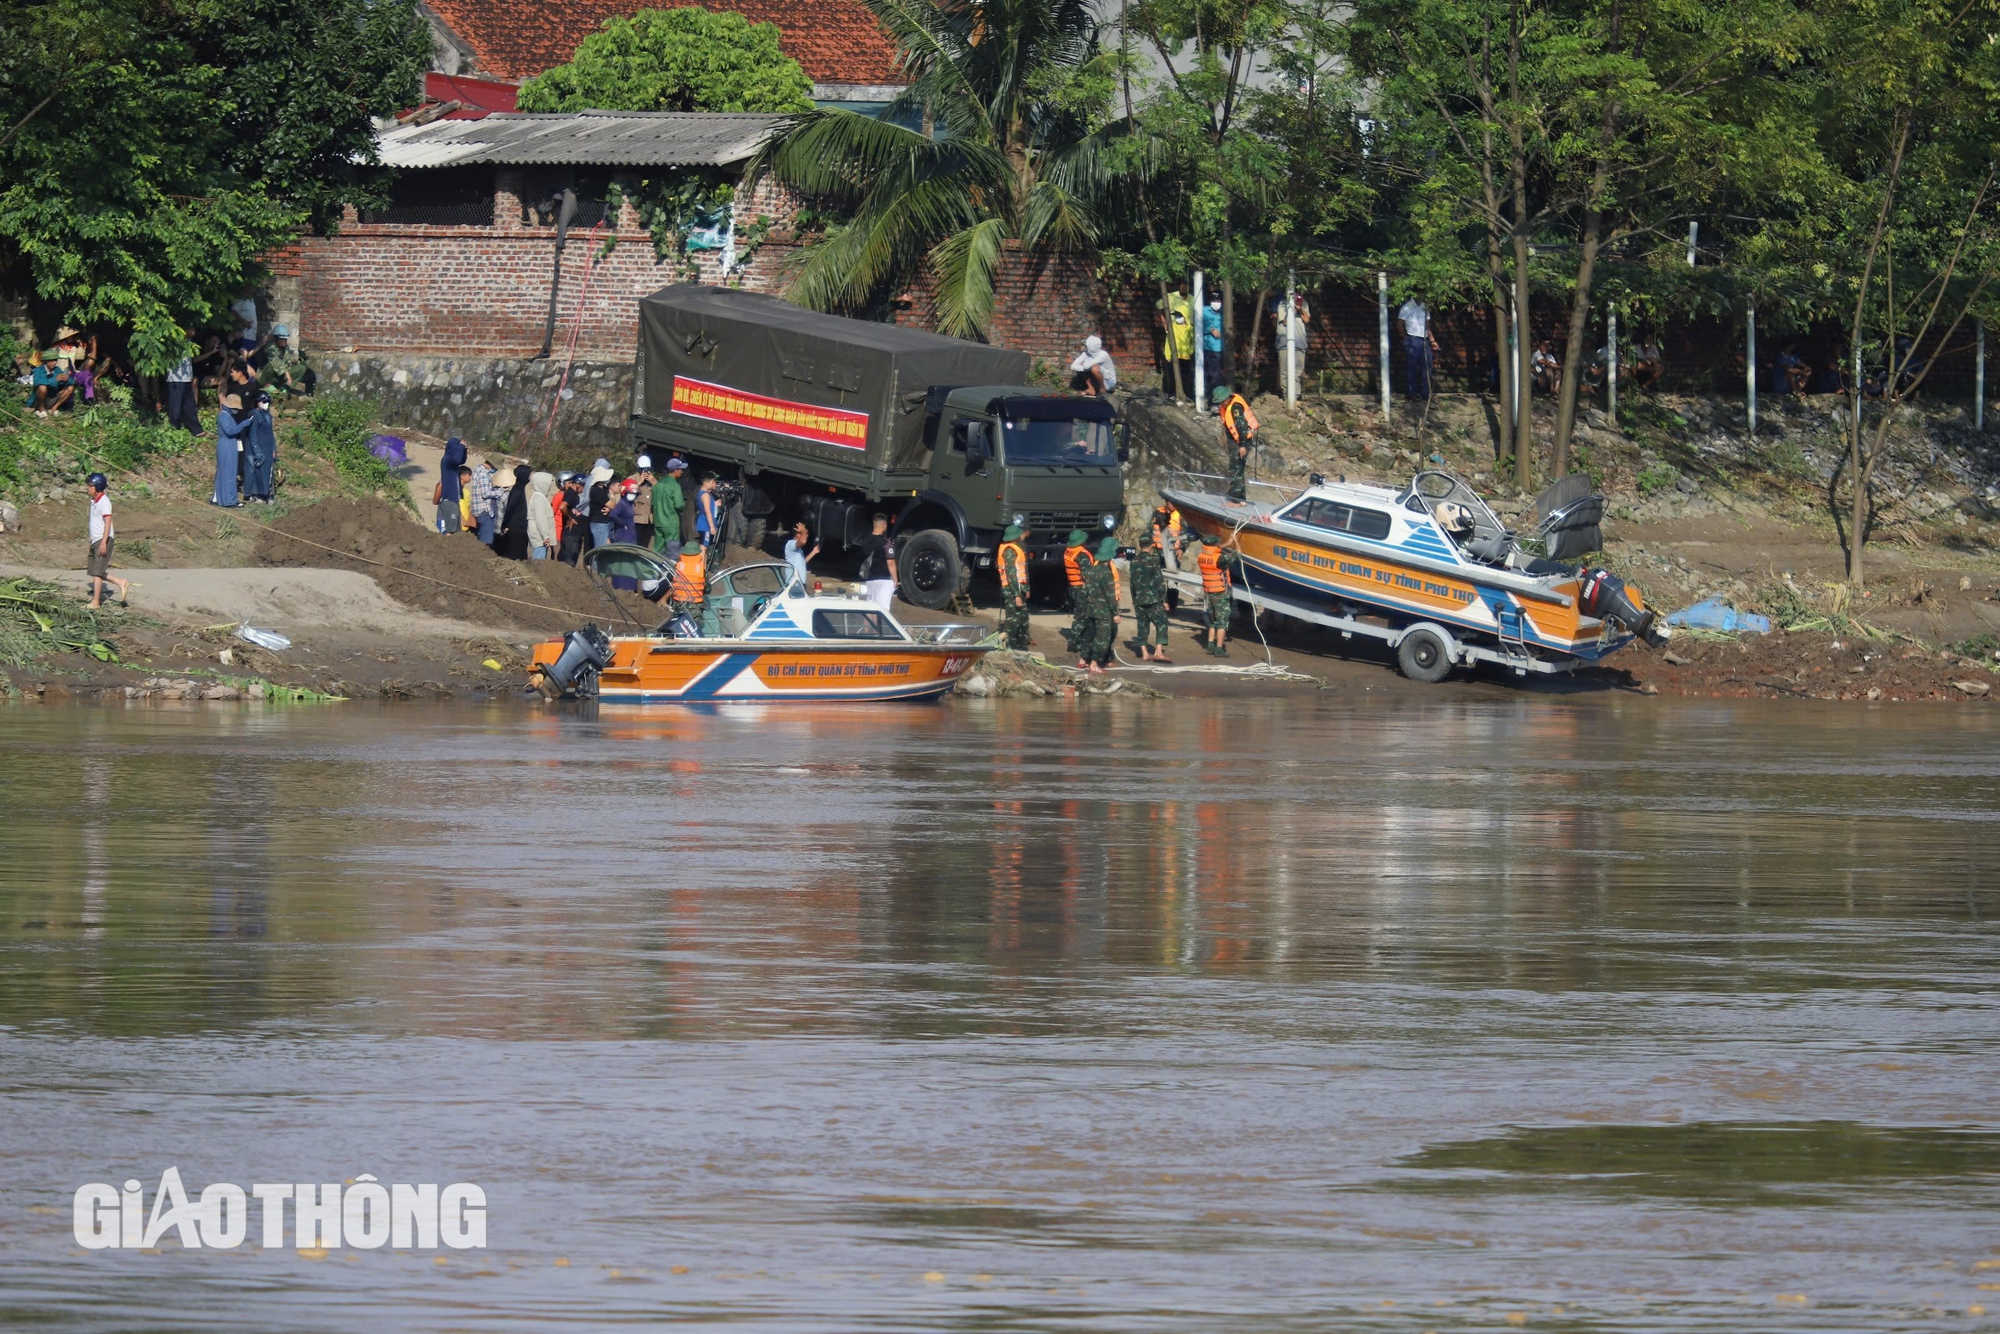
(1002, 454)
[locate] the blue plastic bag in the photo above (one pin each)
(1714, 614)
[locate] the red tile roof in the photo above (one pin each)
(834, 41)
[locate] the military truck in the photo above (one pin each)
(835, 420)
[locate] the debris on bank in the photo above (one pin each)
(1006, 673)
(37, 619)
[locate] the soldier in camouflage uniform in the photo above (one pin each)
(1100, 604)
(1080, 630)
(1149, 600)
(1214, 561)
(1014, 588)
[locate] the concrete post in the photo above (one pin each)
(1611, 365)
(1979, 382)
(1200, 356)
(1382, 317)
(1290, 329)
(1750, 364)
(1694, 230)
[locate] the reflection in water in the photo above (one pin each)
(1239, 1015)
(1743, 1161)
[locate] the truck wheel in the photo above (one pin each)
(1422, 657)
(930, 569)
(755, 531)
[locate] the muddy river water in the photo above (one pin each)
(1206, 1017)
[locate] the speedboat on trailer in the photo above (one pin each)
(1428, 569)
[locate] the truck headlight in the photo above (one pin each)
(1110, 522)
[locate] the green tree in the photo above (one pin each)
(1014, 92)
(151, 151)
(1901, 234)
(688, 59)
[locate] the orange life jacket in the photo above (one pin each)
(690, 576)
(1212, 578)
(1071, 556)
(1014, 557)
(1229, 418)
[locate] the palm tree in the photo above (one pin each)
(1007, 88)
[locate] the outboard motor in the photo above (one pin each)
(586, 652)
(1603, 596)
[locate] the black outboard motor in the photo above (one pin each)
(586, 652)
(1603, 596)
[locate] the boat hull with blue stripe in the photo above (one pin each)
(1380, 563)
(798, 649)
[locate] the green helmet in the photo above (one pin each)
(1015, 532)
(1107, 548)
(1077, 537)
(1219, 395)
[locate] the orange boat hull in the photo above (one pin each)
(705, 671)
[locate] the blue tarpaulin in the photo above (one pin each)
(1715, 614)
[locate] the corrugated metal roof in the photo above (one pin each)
(581, 139)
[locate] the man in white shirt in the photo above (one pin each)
(1093, 371)
(1417, 345)
(245, 310)
(101, 536)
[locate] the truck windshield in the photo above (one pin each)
(1058, 442)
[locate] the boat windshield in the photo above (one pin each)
(844, 624)
(1335, 516)
(1063, 442)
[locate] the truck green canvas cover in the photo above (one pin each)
(762, 372)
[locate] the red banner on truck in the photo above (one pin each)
(799, 421)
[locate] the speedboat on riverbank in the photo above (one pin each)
(770, 641)
(1429, 569)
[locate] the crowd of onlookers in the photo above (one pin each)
(530, 514)
(70, 374)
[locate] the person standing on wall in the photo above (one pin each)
(1417, 345)
(1211, 341)
(1177, 320)
(1289, 329)
(1013, 562)
(878, 563)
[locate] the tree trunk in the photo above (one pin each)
(1524, 337)
(1579, 328)
(1579, 311)
(1257, 332)
(1503, 374)
(1858, 514)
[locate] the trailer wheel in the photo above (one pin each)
(930, 569)
(1422, 657)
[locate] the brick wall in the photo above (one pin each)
(484, 291)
